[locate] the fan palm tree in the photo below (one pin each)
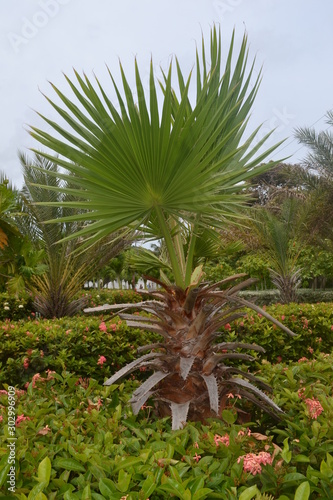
(171, 171)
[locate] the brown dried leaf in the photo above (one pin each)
(258, 436)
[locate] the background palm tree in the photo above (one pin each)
(320, 144)
(19, 259)
(56, 290)
(174, 172)
(278, 234)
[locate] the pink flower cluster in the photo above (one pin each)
(222, 439)
(38, 377)
(302, 359)
(252, 462)
(314, 407)
(101, 360)
(103, 327)
(20, 419)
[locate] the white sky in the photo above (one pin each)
(40, 39)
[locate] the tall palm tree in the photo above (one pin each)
(171, 171)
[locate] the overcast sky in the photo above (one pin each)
(41, 39)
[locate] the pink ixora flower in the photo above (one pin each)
(303, 359)
(36, 377)
(20, 419)
(103, 327)
(314, 407)
(101, 360)
(196, 457)
(252, 462)
(222, 439)
(26, 363)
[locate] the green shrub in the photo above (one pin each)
(77, 439)
(105, 296)
(74, 344)
(313, 324)
(269, 297)
(15, 308)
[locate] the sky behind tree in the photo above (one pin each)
(42, 39)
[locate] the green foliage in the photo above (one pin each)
(158, 169)
(21, 306)
(313, 324)
(77, 439)
(75, 344)
(105, 296)
(317, 267)
(218, 271)
(256, 265)
(15, 308)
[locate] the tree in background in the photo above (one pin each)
(278, 235)
(174, 172)
(56, 290)
(19, 259)
(320, 144)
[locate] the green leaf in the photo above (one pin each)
(329, 460)
(68, 464)
(124, 480)
(303, 491)
(149, 486)
(286, 453)
(44, 471)
(174, 487)
(107, 487)
(69, 495)
(127, 462)
(229, 417)
(202, 493)
(249, 493)
(3, 474)
(302, 458)
(196, 485)
(293, 476)
(86, 493)
(36, 490)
